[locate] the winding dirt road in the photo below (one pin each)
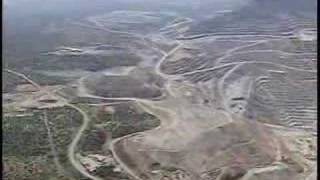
(75, 141)
(142, 102)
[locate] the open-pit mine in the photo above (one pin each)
(164, 92)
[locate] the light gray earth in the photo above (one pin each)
(235, 101)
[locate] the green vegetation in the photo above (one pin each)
(65, 122)
(114, 86)
(26, 149)
(29, 168)
(83, 62)
(169, 169)
(93, 141)
(108, 173)
(24, 136)
(125, 120)
(44, 79)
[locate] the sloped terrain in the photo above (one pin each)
(170, 94)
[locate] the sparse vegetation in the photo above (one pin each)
(108, 173)
(10, 82)
(125, 120)
(233, 84)
(26, 149)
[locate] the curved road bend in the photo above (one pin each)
(72, 146)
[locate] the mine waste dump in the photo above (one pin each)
(159, 90)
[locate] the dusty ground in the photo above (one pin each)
(234, 103)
